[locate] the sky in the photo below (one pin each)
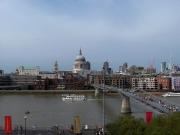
(39, 32)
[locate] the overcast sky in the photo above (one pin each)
(38, 32)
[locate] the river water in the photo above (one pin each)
(47, 110)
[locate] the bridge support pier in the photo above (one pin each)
(126, 107)
(96, 92)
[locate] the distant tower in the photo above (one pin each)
(1, 72)
(88, 65)
(120, 69)
(171, 63)
(125, 67)
(56, 67)
(106, 69)
(163, 67)
(106, 66)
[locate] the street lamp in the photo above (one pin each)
(25, 119)
(104, 101)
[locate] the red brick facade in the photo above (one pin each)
(164, 83)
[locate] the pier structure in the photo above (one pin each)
(125, 107)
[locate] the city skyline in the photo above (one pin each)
(41, 32)
(169, 65)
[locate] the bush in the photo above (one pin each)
(161, 125)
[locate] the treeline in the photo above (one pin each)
(161, 125)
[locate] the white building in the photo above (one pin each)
(145, 83)
(135, 82)
(35, 71)
(28, 71)
(49, 75)
(151, 83)
(175, 83)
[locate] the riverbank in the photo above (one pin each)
(153, 93)
(46, 91)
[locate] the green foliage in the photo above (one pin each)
(161, 125)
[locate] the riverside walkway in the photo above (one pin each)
(152, 101)
(50, 132)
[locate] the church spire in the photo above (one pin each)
(56, 67)
(80, 52)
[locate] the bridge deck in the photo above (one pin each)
(152, 101)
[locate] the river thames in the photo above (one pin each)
(47, 110)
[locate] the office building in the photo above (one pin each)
(106, 69)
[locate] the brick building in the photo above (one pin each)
(121, 81)
(164, 83)
(117, 80)
(72, 82)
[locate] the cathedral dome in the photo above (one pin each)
(80, 63)
(80, 57)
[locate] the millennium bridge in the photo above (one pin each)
(163, 106)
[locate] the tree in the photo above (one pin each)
(161, 125)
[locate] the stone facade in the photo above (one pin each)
(145, 83)
(120, 81)
(28, 71)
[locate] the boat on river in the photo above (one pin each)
(73, 97)
(171, 94)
